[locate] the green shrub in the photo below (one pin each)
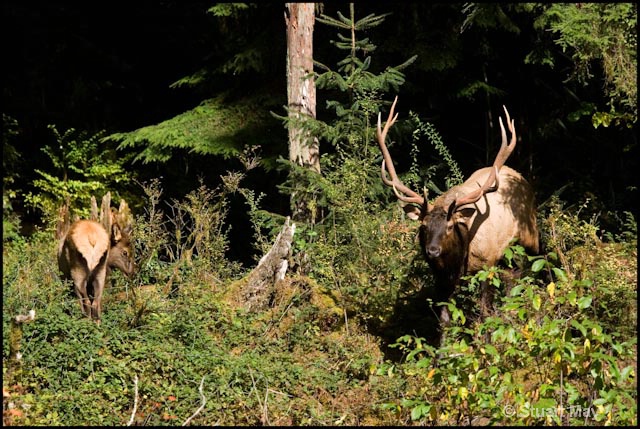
(294, 364)
(82, 169)
(558, 352)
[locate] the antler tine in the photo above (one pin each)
(474, 196)
(503, 154)
(505, 149)
(387, 163)
(413, 199)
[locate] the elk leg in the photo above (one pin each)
(80, 287)
(445, 320)
(487, 292)
(85, 305)
(98, 287)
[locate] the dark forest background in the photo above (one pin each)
(119, 68)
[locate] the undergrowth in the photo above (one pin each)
(171, 328)
(561, 349)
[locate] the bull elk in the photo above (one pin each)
(89, 248)
(471, 224)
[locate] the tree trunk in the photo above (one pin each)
(301, 98)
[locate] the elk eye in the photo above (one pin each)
(125, 253)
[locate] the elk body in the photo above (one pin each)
(471, 224)
(88, 250)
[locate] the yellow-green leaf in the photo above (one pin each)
(551, 289)
(537, 302)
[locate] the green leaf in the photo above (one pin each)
(624, 374)
(538, 265)
(420, 411)
(584, 302)
(537, 302)
(560, 274)
(508, 255)
(516, 290)
(579, 327)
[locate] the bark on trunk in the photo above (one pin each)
(301, 89)
(301, 93)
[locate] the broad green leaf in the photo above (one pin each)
(584, 302)
(538, 265)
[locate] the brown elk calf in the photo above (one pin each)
(87, 252)
(471, 224)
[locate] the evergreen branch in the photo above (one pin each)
(332, 22)
(215, 127)
(345, 20)
(406, 63)
(371, 21)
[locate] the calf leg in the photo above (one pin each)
(98, 287)
(80, 287)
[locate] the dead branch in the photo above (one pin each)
(271, 268)
(135, 401)
(204, 401)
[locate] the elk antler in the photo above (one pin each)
(387, 163)
(492, 183)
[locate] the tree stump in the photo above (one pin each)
(271, 269)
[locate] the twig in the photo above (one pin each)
(263, 405)
(204, 401)
(135, 401)
(346, 321)
(265, 409)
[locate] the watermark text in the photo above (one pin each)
(573, 411)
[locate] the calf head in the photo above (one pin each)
(121, 253)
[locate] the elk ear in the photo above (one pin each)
(413, 212)
(451, 209)
(465, 213)
(122, 222)
(116, 233)
(125, 217)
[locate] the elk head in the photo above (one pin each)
(121, 253)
